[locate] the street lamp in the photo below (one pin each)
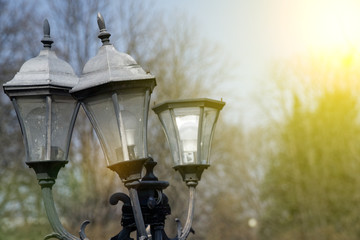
(46, 112)
(115, 94)
(189, 126)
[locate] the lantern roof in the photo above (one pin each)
(44, 71)
(182, 103)
(111, 67)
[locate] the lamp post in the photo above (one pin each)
(115, 94)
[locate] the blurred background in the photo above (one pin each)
(285, 156)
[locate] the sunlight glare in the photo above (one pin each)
(330, 24)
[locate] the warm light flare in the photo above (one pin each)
(331, 24)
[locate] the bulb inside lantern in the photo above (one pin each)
(128, 134)
(188, 133)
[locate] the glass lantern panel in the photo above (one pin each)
(133, 121)
(47, 136)
(62, 123)
(187, 123)
(170, 132)
(32, 115)
(101, 112)
(119, 120)
(208, 126)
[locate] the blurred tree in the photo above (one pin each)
(310, 189)
(236, 177)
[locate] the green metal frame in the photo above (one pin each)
(46, 174)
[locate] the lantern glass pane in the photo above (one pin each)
(100, 110)
(47, 123)
(119, 120)
(208, 127)
(171, 135)
(32, 116)
(133, 115)
(62, 113)
(187, 124)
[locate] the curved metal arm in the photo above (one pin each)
(61, 233)
(184, 233)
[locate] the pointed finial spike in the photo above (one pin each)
(46, 27)
(101, 22)
(46, 40)
(103, 35)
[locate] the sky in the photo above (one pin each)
(257, 33)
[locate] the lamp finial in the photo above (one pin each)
(46, 40)
(103, 35)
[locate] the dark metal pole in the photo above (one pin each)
(139, 220)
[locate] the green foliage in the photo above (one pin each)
(311, 189)
(34, 231)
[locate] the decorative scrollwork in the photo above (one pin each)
(82, 230)
(54, 236)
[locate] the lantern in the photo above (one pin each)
(115, 93)
(189, 126)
